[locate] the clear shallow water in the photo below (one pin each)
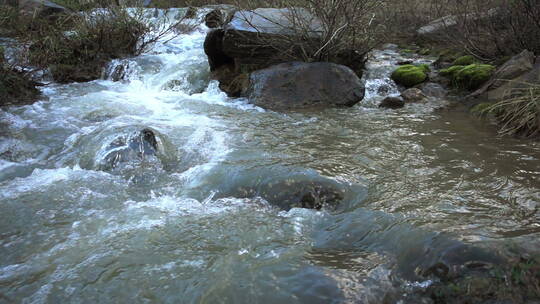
(421, 185)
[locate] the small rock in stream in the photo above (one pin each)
(383, 90)
(392, 103)
(413, 95)
(433, 90)
(132, 148)
(405, 62)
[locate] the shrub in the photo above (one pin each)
(402, 18)
(80, 54)
(187, 3)
(519, 113)
(490, 29)
(410, 75)
(76, 47)
(348, 29)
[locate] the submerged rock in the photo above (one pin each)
(298, 85)
(292, 193)
(281, 186)
(129, 149)
(119, 73)
(383, 89)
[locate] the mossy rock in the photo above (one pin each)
(451, 71)
(470, 76)
(448, 55)
(464, 60)
(410, 75)
(2, 55)
(425, 67)
(474, 75)
(407, 51)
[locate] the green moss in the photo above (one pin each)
(464, 60)
(424, 67)
(409, 75)
(474, 75)
(451, 71)
(448, 55)
(407, 51)
(469, 77)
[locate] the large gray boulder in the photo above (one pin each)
(451, 22)
(298, 85)
(41, 8)
(258, 39)
(516, 73)
(438, 25)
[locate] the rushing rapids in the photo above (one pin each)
(160, 188)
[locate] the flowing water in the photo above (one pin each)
(420, 186)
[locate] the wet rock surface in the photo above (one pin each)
(392, 103)
(517, 72)
(219, 16)
(413, 95)
(432, 89)
(287, 188)
(299, 85)
(132, 148)
(257, 39)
